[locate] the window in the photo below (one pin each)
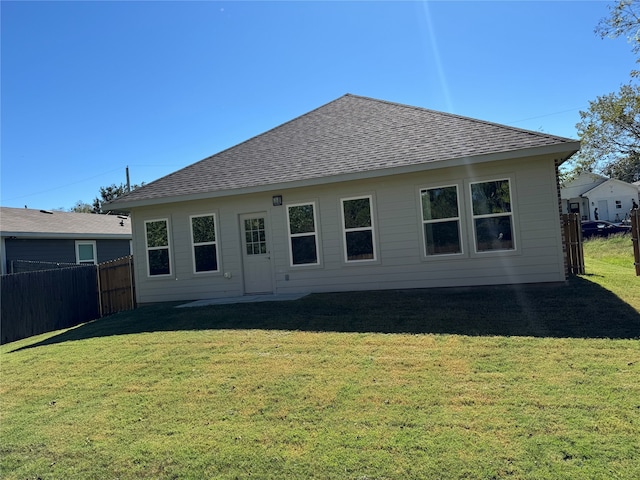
(492, 215)
(303, 239)
(205, 245)
(357, 220)
(255, 236)
(157, 238)
(86, 252)
(618, 204)
(441, 220)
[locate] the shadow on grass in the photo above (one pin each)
(576, 309)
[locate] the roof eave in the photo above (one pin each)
(563, 151)
(67, 236)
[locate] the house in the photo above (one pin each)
(589, 192)
(61, 237)
(358, 194)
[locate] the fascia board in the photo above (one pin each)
(67, 236)
(563, 151)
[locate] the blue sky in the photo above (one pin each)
(89, 88)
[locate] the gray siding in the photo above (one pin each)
(400, 263)
(40, 250)
(59, 250)
(112, 249)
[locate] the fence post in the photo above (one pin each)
(635, 236)
(572, 232)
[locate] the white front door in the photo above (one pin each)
(256, 253)
(603, 210)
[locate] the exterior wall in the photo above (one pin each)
(112, 249)
(59, 250)
(401, 261)
(612, 199)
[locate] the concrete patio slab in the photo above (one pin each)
(276, 297)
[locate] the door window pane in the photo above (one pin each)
(255, 236)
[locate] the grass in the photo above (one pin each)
(535, 382)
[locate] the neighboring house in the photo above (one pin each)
(589, 191)
(61, 237)
(358, 194)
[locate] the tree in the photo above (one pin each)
(610, 134)
(81, 207)
(623, 20)
(107, 194)
(610, 129)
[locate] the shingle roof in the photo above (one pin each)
(25, 222)
(350, 135)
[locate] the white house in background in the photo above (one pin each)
(358, 194)
(589, 191)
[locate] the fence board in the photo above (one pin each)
(572, 233)
(635, 235)
(43, 301)
(116, 285)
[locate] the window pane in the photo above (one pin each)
(85, 252)
(303, 250)
(206, 258)
(359, 245)
(301, 219)
(438, 203)
(203, 229)
(491, 197)
(357, 213)
(442, 238)
(494, 233)
(157, 235)
(159, 262)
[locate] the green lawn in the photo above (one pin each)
(527, 382)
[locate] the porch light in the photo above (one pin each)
(277, 200)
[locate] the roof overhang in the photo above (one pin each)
(66, 236)
(560, 152)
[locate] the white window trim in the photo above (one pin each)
(458, 218)
(474, 239)
(359, 229)
(95, 251)
(215, 242)
(306, 234)
(168, 247)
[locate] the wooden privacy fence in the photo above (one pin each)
(572, 234)
(39, 302)
(116, 286)
(635, 235)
